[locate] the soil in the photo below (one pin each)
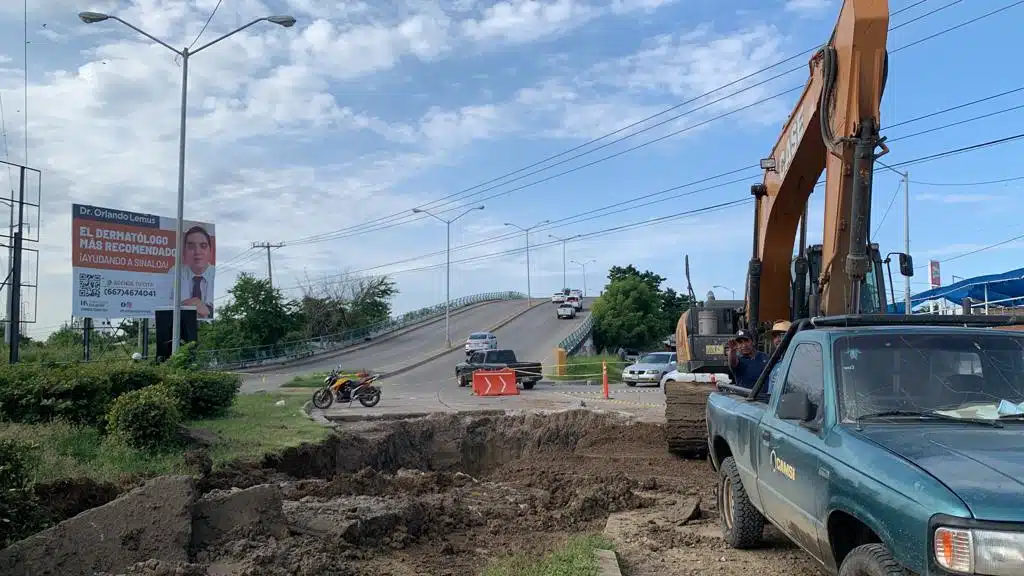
(447, 494)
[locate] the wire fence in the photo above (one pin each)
(235, 358)
(571, 343)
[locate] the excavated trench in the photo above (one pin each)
(437, 495)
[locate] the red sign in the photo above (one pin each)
(933, 270)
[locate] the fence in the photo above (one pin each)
(571, 343)
(235, 358)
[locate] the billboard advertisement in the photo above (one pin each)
(933, 273)
(123, 263)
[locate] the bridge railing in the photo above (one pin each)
(249, 356)
(571, 343)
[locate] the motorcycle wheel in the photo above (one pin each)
(323, 398)
(371, 398)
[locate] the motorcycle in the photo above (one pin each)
(338, 389)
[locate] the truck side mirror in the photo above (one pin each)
(906, 265)
(795, 406)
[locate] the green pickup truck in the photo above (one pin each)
(888, 445)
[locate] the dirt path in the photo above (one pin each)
(446, 494)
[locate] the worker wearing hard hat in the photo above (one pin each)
(779, 330)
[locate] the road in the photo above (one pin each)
(401, 350)
(431, 387)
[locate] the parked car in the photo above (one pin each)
(566, 310)
(649, 369)
(885, 447)
(481, 341)
(527, 373)
(557, 298)
(575, 301)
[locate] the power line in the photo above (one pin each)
(203, 29)
(963, 184)
(572, 219)
(887, 208)
(686, 213)
(373, 225)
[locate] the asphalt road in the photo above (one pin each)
(533, 336)
(401, 350)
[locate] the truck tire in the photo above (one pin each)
(686, 429)
(871, 560)
(528, 385)
(742, 524)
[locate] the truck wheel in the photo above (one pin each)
(742, 524)
(871, 560)
(528, 385)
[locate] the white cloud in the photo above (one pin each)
(959, 198)
(808, 7)
(276, 151)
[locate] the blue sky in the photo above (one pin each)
(365, 110)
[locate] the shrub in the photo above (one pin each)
(20, 513)
(78, 393)
(145, 419)
(203, 394)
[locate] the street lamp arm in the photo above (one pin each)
(466, 212)
(428, 213)
(148, 35)
(520, 228)
(229, 34)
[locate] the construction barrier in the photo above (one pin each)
(708, 378)
(495, 383)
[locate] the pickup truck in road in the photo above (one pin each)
(527, 373)
(888, 446)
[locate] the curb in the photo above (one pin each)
(357, 347)
(597, 398)
(307, 409)
(607, 563)
(443, 352)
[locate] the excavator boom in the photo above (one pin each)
(834, 128)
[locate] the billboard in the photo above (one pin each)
(933, 273)
(123, 263)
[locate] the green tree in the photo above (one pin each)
(673, 305)
(650, 278)
(628, 314)
(257, 314)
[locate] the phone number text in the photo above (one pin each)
(128, 292)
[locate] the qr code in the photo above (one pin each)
(89, 285)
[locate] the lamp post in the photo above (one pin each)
(529, 294)
(584, 266)
(733, 292)
(447, 267)
(563, 241)
(185, 53)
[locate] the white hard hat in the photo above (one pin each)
(136, 356)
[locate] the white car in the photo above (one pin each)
(576, 293)
(481, 341)
(566, 310)
(576, 302)
(557, 298)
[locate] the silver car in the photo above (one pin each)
(649, 368)
(481, 341)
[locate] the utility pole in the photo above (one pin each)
(270, 268)
(906, 239)
(583, 265)
(529, 293)
(447, 267)
(565, 283)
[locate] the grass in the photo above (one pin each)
(575, 558)
(312, 380)
(589, 368)
(254, 426)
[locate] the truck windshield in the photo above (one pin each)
(966, 375)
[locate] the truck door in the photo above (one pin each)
(791, 490)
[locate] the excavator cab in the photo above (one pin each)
(804, 303)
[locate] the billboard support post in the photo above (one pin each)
(86, 338)
(14, 313)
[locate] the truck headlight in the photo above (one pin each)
(971, 551)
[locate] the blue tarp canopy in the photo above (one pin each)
(998, 287)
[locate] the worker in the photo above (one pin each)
(745, 361)
(779, 330)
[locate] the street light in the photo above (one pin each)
(447, 266)
(563, 241)
(94, 17)
(726, 288)
(584, 266)
(529, 294)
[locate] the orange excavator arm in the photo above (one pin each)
(834, 127)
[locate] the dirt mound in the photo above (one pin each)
(440, 494)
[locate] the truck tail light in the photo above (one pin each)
(954, 550)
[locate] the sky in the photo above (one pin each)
(325, 136)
